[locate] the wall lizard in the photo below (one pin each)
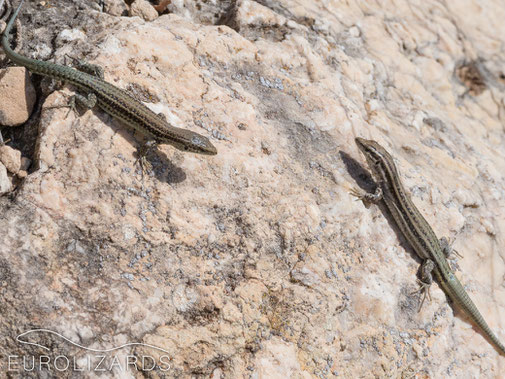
(113, 100)
(418, 232)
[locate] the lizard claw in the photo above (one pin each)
(356, 193)
(145, 166)
(425, 288)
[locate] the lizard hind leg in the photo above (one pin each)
(425, 281)
(86, 102)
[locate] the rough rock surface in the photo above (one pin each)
(11, 158)
(16, 101)
(5, 182)
(144, 10)
(257, 262)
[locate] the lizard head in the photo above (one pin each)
(188, 141)
(377, 157)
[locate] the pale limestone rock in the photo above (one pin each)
(249, 13)
(25, 163)
(5, 181)
(257, 262)
(11, 158)
(116, 7)
(305, 276)
(17, 96)
(200, 12)
(144, 10)
(277, 360)
(183, 298)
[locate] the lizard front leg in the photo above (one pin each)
(447, 248)
(367, 197)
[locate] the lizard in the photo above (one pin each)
(113, 100)
(418, 233)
